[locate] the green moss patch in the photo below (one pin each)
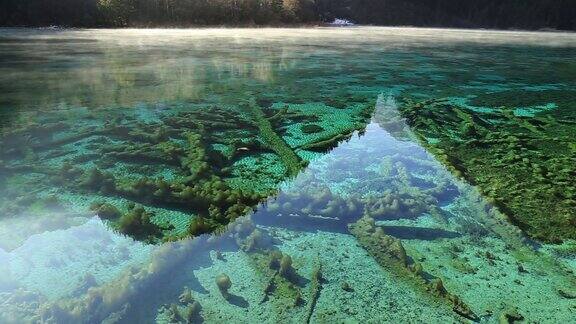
(525, 165)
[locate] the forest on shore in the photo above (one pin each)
(495, 14)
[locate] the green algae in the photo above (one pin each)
(561, 98)
(389, 252)
(275, 142)
(524, 164)
(128, 158)
(269, 291)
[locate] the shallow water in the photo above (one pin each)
(114, 143)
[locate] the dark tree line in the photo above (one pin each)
(117, 13)
(503, 14)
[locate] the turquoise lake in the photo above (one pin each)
(284, 176)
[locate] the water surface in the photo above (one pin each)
(138, 166)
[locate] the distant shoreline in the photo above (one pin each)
(289, 26)
(526, 15)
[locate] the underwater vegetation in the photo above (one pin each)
(389, 252)
(524, 161)
(421, 232)
(280, 282)
(206, 162)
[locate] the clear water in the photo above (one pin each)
(371, 220)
